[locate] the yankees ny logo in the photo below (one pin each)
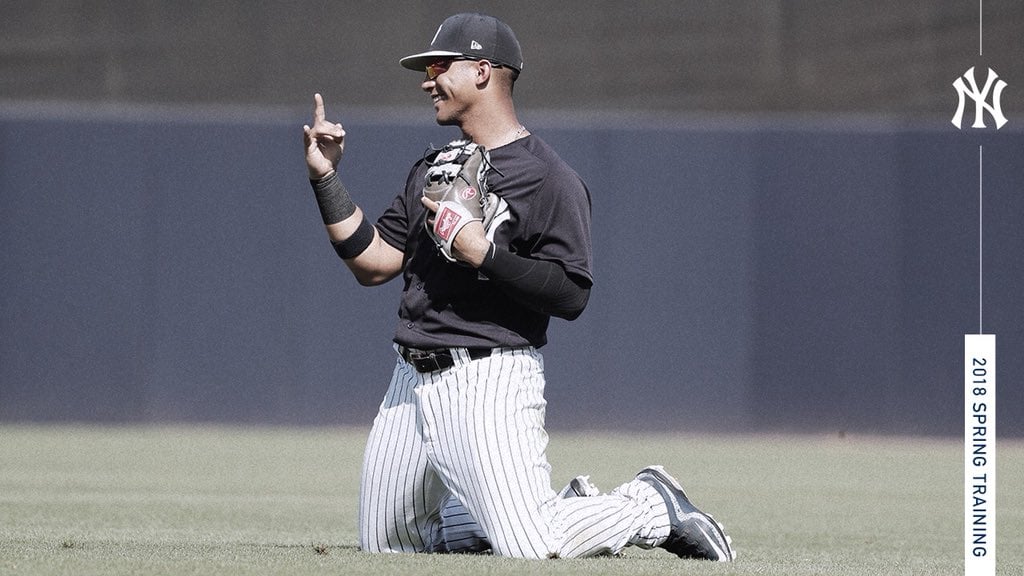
(979, 96)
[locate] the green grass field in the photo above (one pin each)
(222, 500)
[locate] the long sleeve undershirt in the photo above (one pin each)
(541, 285)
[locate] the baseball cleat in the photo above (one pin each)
(580, 486)
(693, 534)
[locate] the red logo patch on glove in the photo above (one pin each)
(447, 220)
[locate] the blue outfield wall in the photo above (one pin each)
(169, 266)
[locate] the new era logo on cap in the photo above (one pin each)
(474, 45)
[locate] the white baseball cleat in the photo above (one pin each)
(580, 486)
(693, 534)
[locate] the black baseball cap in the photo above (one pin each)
(470, 35)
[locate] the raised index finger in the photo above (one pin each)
(318, 108)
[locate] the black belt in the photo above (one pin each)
(439, 359)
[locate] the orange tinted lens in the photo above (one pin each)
(437, 68)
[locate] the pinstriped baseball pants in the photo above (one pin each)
(476, 432)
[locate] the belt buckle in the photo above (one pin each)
(415, 355)
(429, 360)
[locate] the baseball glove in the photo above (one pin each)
(457, 181)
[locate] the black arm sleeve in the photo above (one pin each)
(540, 285)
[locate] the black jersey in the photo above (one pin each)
(448, 305)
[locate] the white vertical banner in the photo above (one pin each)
(979, 455)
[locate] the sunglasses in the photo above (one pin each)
(441, 66)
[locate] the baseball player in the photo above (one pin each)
(491, 237)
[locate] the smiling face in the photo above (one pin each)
(453, 87)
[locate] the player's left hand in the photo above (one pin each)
(470, 245)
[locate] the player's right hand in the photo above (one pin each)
(325, 142)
